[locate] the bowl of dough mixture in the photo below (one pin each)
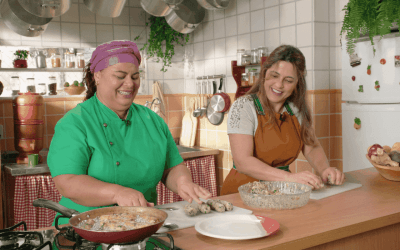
(275, 194)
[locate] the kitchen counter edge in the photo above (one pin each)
(15, 169)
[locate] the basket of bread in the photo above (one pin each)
(386, 160)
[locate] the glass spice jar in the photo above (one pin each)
(262, 52)
(245, 80)
(246, 59)
(55, 61)
(240, 53)
(15, 85)
(30, 85)
(41, 88)
(52, 86)
(80, 61)
(254, 56)
(69, 59)
(253, 76)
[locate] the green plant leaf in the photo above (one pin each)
(162, 40)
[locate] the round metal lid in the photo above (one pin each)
(213, 116)
(217, 103)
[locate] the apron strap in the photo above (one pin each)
(260, 109)
(258, 105)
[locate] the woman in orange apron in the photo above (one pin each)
(271, 124)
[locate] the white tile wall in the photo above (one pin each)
(321, 10)
(312, 25)
(287, 14)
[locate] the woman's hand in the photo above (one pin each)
(190, 191)
(337, 177)
(306, 177)
(128, 197)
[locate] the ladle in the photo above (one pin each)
(204, 106)
(197, 112)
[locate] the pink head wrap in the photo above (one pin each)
(114, 52)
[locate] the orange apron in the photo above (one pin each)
(278, 145)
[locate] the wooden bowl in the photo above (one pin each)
(77, 90)
(388, 172)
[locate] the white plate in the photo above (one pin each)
(237, 227)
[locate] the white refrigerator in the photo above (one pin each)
(372, 97)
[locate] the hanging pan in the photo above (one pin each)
(110, 237)
(186, 17)
(214, 4)
(22, 22)
(220, 102)
(159, 7)
(108, 8)
(46, 8)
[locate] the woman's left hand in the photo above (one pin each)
(190, 191)
(337, 177)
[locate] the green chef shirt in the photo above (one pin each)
(92, 140)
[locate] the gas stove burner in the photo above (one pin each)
(125, 246)
(21, 240)
(6, 240)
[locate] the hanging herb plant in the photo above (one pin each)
(372, 17)
(160, 32)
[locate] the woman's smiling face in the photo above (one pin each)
(280, 82)
(117, 86)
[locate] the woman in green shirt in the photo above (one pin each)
(109, 150)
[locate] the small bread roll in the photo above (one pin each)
(204, 208)
(228, 205)
(191, 209)
(387, 149)
(217, 206)
(396, 146)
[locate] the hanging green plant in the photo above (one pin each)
(160, 32)
(372, 17)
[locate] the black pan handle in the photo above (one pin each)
(220, 85)
(55, 206)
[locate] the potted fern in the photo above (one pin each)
(161, 34)
(369, 17)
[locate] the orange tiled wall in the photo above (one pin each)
(325, 104)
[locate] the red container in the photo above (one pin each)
(28, 111)
(20, 64)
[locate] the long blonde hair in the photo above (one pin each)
(294, 56)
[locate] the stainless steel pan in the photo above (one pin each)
(22, 22)
(214, 4)
(107, 237)
(156, 7)
(46, 8)
(108, 8)
(186, 17)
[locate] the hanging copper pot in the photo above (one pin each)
(28, 111)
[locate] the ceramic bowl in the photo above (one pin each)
(74, 90)
(293, 195)
(387, 172)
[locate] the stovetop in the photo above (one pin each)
(11, 239)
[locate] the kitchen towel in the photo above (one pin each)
(158, 105)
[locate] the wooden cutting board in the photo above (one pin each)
(183, 221)
(187, 126)
(194, 122)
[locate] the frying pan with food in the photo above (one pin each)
(107, 237)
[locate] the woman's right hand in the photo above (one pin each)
(128, 197)
(306, 177)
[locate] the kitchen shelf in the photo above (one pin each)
(42, 69)
(237, 75)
